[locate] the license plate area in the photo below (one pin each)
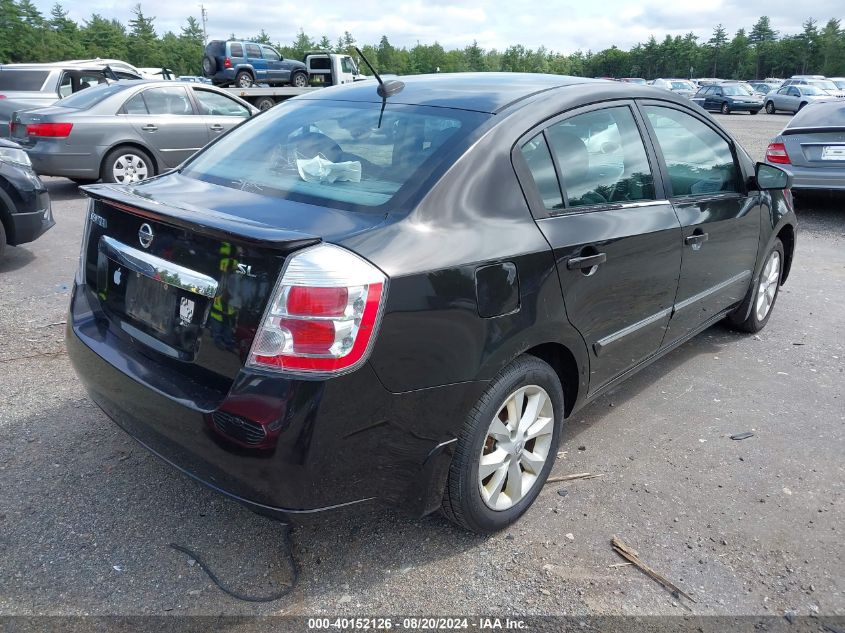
(150, 302)
(833, 152)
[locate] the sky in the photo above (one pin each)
(562, 26)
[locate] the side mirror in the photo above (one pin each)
(771, 177)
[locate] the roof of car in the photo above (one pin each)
(481, 92)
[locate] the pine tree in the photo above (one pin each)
(717, 43)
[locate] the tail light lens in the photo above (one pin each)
(227, 63)
(323, 315)
(776, 153)
(52, 130)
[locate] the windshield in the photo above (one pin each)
(736, 90)
(811, 90)
(839, 83)
(334, 153)
(84, 99)
(682, 85)
(824, 85)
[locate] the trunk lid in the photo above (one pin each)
(816, 147)
(183, 269)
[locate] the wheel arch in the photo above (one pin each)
(131, 143)
(562, 360)
(6, 206)
(787, 237)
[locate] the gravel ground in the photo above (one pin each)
(747, 527)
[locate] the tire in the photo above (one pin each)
(726, 109)
(244, 79)
(135, 164)
(762, 294)
(2, 240)
(209, 66)
(471, 499)
(753, 111)
(265, 103)
(770, 107)
(299, 80)
(800, 106)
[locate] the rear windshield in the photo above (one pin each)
(682, 85)
(84, 99)
(824, 85)
(830, 114)
(335, 153)
(27, 80)
(811, 90)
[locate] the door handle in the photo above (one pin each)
(696, 239)
(586, 262)
(216, 127)
(149, 127)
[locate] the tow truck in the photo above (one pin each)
(324, 69)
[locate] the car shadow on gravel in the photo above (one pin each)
(15, 258)
(62, 189)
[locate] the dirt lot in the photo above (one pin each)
(746, 527)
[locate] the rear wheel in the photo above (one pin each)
(243, 79)
(265, 103)
(770, 107)
(726, 109)
(125, 165)
(300, 80)
(506, 449)
(763, 294)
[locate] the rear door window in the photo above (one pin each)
(136, 105)
(236, 49)
(270, 54)
(253, 51)
(699, 161)
(168, 101)
(24, 80)
(601, 158)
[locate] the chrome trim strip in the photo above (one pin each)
(158, 268)
(642, 203)
(745, 274)
(600, 345)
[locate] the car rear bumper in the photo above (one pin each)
(816, 178)
(320, 444)
(58, 159)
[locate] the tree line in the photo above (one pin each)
(26, 35)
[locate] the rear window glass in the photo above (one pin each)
(28, 80)
(334, 153)
(236, 50)
(831, 114)
(84, 99)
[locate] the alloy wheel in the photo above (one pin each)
(516, 448)
(768, 286)
(129, 168)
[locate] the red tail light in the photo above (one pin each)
(776, 153)
(53, 130)
(323, 314)
(227, 63)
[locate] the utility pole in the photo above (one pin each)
(204, 14)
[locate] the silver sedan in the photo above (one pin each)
(127, 131)
(793, 98)
(812, 147)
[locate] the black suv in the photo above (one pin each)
(403, 297)
(25, 211)
(246, 63)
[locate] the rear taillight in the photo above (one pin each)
(776, 153)
(53, 130)
(227, 63)
(323, 314)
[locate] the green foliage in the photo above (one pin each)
(26, 35)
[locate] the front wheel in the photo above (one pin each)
(763, 294)
(299, 80)
(770, 107)
(726, 109)
(506, 449)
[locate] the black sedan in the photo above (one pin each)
(727, 98)
(403, 298)
(25, 211)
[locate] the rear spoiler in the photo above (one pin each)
(213, 224)
(819, 129)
